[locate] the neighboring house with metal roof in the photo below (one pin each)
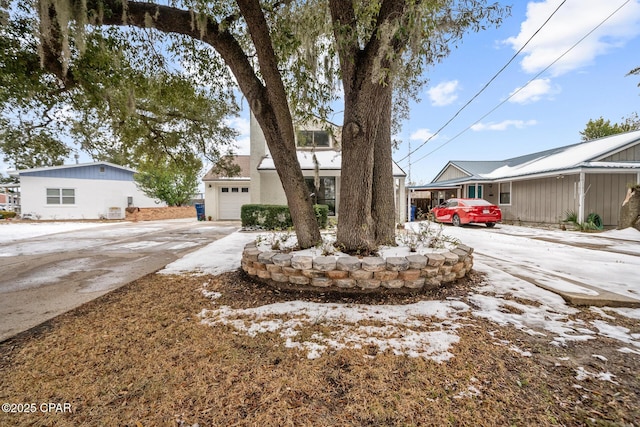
(588, 177)
(80, 191)
(258, 183)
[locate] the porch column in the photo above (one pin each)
(581, 198)
(407, 211)
(402, 189)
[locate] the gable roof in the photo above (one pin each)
(569, 157)
(471, 168)
(242, 161)
(587, 154)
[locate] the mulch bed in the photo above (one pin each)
(140, 356)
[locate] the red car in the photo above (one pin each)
(466, 211)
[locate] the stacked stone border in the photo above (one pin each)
(350, 274)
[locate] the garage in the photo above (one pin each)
(231, 199)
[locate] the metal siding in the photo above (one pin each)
(452, 173)
(605, 195)
(84, 172)
(544, 200)
(629, 155)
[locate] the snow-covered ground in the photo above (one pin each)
(512, 257)
(10, 231)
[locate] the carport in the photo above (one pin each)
(426, 197)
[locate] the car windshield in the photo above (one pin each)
(478, 202)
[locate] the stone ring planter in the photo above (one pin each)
(349, 274)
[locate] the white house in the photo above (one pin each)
(259, 183)
(80, 191)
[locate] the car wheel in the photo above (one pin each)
(456, 220)
(491, 224)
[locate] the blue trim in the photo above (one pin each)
(99, 171)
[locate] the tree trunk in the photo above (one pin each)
(356, 223)
(630, 210)
(293, 183)
(366, 209)
(268, 101)
(383, 207)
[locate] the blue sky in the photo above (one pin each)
(588, 82)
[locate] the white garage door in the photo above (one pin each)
(231, 199)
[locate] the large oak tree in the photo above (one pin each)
(286, 56)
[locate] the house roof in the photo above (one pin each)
(564, 158)
(243, 161)
(327, 160)
(587, 154)
(472, 168)
(71, 166)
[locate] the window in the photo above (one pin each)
(102, 169)
(505, 193)
(224, 189)
(234, 189)
(471, 191)
(61, 196)
(325, 194)
(313, 138)
(245, 189)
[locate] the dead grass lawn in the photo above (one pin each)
(140, 357)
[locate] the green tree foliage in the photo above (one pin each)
(30, 147)
(290, 60)
(172, 182)
(108, 93)
(600, 127)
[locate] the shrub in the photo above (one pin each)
(7, 214)
(276, 217)
(268, 217)
(593, 222)
(322, 215)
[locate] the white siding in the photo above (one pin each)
(212, 199)
(93, 198)
(230, 202)
(452, 172)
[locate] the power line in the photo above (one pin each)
(486, 84)
(525, 85)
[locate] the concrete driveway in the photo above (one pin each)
(42, 276)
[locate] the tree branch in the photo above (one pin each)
(178, 21)
(346, 39)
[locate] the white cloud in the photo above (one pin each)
(421, 135)
(444, 93)
(503, 125)
(533, 92)
(574, 20)
(242, 125)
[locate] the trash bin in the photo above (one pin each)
(200, 211)
(413, 212)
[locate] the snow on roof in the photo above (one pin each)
(565, 157)
(327, 160)
(617, 165)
